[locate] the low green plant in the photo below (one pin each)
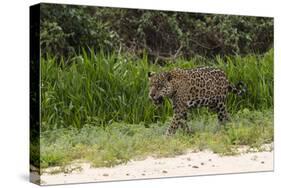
(120, 142)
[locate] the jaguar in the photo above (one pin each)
(192, 88)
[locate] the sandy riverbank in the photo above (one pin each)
(189, 164)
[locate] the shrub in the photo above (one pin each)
(164, 35)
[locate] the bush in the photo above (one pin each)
(64, 29)
(164, 35)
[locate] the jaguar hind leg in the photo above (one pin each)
(218, 105)
(223, 116)
(220, 108)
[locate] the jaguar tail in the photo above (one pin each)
(238, 89)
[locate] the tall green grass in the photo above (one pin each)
(99, 89)
(96, 90)
(257, 74)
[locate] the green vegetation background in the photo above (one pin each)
(94, 87)
(163, 35)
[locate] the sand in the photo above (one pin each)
(189, 164)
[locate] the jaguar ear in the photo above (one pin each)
(168, 76)
(150, 74)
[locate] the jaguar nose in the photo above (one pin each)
(152, 95)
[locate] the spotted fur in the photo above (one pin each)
(191, 89)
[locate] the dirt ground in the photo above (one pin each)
(189, 164)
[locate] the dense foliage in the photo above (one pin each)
(163, 35)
